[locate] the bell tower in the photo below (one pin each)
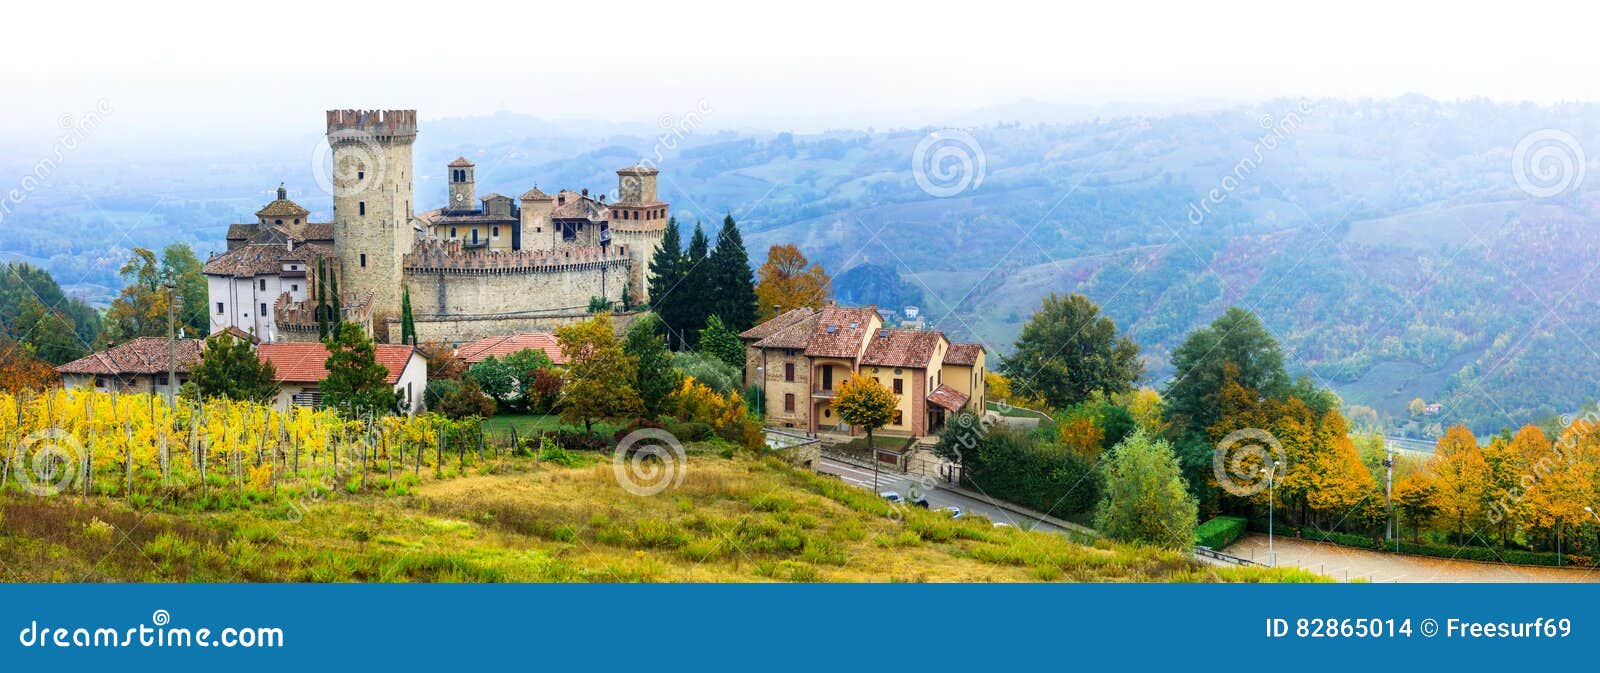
(462, 191)
(372, 205)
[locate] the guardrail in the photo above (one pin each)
(1225, 558)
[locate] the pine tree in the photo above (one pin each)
(734, 296)
(356, 383)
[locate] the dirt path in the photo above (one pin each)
(1343, 563)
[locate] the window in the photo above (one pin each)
(495, 232)
(788, 401)
(277, 221)
(363, 260)
(788, 372)
(899, 417)
(452, 232)
(220, 308)
(363, 206)
(294, 287)
(899, 386)
(474, 235)
(263, 309)
(361, 175)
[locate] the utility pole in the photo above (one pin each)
(172, 346)
(1388, 491)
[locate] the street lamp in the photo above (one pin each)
(1271, 472)
(172, 345)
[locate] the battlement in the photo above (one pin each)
(381, 123)
(451, 257)
(301, 316)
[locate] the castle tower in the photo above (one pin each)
(462, 189)
(372, 204)
(638, 220)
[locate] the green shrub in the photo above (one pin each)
(1219, 532)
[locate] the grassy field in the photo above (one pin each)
(729, 520)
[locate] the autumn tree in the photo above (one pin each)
(865, 403)
(1145, 499)
(1068, 351)
(231, 369)
(1201, 363)
(140, 309)
(788, 281)
(600, 376)
(1462, 478)
(1417, 497)
(356, 384)
(1561, 479)
(20, 371)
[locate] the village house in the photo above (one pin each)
(501, 346)
(301, 368)
(138, 366)
(801, 357)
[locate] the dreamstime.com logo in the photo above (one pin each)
(649, 461)
(158, 633)
(1241, 457)
(948, 162)
(360, 165)
(50, 460)
(1548, 162)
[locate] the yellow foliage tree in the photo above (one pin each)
(1462, 476)
(866, 404)
(788, 281)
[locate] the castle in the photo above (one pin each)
(475, 267)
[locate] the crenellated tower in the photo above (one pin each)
(372, 204)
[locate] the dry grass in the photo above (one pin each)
(730, 520)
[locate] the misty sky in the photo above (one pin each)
(215, 67)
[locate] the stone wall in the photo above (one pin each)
(641, 247)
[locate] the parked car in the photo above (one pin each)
(1001, 524)
(892, 496)
(954, 512)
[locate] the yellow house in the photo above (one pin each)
(801, 357)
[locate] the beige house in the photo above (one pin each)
(801, 357)
(138, 366)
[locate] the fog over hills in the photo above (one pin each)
(1400, 248)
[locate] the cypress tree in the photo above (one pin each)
(666, 274)
(697, 289)
(733, 296)
(322, 299)
(408, 328)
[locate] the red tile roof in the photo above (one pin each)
(948, 397)
(841, 331)
(144, 355)
(461, 162)
(501, 346)
(902, 348)
(307, 362)
(963, 355)
(779, 322)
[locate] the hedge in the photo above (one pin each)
(1219, 532)
(1512, 556)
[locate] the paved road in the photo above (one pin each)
(860, 476)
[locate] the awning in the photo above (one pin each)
(948, 397)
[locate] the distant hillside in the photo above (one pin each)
(1386, 242)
